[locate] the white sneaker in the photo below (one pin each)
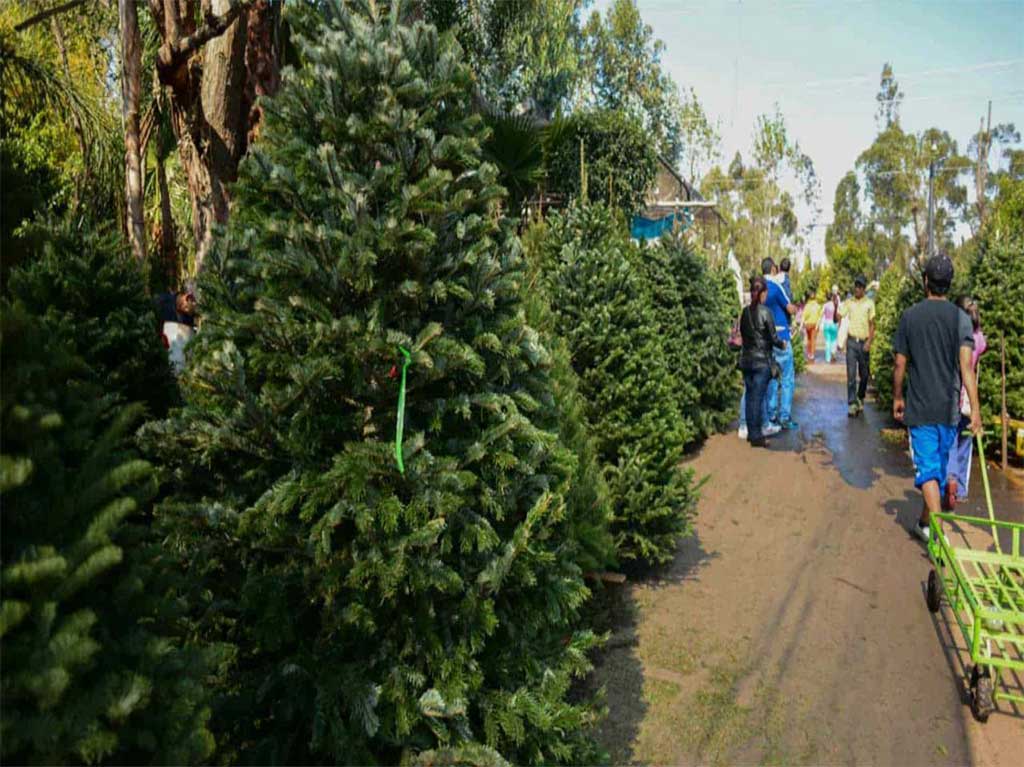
(771, 430)
(742, 433)
(922, 532)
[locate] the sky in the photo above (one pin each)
(820, 61)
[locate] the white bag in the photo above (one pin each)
(844, 331)
(177, 335)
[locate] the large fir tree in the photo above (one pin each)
(605, 302)
(377, 613)
(89, 675)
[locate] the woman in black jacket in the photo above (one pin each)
(757, 327)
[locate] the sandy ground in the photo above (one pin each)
(792, 629)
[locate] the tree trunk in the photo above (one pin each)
(168, 239)
(131, 89)
(213, 86)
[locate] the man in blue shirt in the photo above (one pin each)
(780, 408)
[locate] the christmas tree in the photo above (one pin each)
(88, 674)
(997, 283)
(605, 304)
(371, 493)
(92, 296)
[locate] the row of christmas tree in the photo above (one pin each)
(250, 566)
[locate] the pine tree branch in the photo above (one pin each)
(31, 21)
(173, 53)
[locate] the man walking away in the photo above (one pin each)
(780, 393)
(934, 341)
(860, 314)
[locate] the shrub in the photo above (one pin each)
(378, 613)
(619, 158)
(896, 293)
(997, 284)
(90, 671)
(602, 297)
(697, 305)
(91, 295)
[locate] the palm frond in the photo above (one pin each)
(516, 148)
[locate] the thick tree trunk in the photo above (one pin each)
(214, 73)
(131, 89)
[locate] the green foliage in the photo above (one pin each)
(895, 171)
(847, 220)
(515, 146)
(847, 261)
(799, 349)
(525, 54)
(622, 60)
(897, 292)
(603, 298)
(30, 185)
(91, 295)
(618, 159)
(89, 672)
(997, 283)
(375, 614)
(696, 307)
(813, 281)
(588, 498)
(760, 215)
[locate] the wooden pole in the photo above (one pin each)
(1005, 416)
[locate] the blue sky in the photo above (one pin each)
(820, 61)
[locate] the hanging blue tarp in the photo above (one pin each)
(651, 228)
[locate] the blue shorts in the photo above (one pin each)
(930, 446)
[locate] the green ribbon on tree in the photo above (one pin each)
(400, 426)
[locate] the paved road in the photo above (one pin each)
(792, 628)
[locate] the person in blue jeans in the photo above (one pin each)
(757, 327)
(780, 392)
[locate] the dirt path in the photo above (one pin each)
(792, 629)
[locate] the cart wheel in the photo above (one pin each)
(934, 594)
(981, 694)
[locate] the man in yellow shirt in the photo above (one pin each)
(810, 319)
(860, 314)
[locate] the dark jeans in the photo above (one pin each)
(756, 382)
(857, 361)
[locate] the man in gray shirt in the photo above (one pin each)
(933, 343)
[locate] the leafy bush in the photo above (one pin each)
(997, 283)
(91, 295)
(896, 293)
(378, 613)
(847, 261)
(799, 349)
(602, 297)
(89, 672)
(696, 305)
(619, 158)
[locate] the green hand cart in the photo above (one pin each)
(985, 591)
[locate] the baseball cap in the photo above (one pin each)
(860, 281)
(939, 270)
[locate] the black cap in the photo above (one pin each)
(939, 270)
(860, 281)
